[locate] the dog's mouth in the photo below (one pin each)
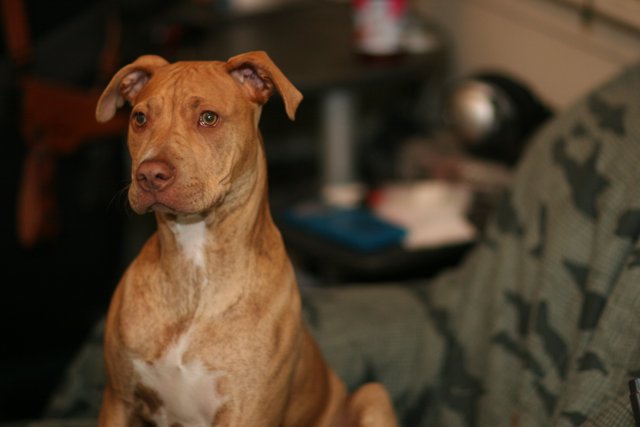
(144, 202)
(161, 208)
(179, 216)
(178, 199)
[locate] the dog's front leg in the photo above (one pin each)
(115, 413)
(370, 406)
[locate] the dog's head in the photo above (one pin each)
(193, 132)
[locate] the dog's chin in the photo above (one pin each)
(162, 208)
(164, 203)
(145, 208)
(169, 210)
(143, 202)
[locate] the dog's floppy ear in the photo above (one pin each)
(259, 75)
(126, 84)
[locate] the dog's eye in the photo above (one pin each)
(208, 119)
(139, 118)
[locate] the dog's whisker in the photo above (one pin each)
(121, 195)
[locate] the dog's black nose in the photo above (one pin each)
(155, 175)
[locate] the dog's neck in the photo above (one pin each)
(207, 241)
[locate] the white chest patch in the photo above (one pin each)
(191, 238)
(188, 391)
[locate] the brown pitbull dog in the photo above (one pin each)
(205, 326)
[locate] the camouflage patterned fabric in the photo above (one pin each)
(540, 325)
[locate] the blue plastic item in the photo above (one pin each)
(356, 228)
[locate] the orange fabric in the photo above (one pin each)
(37, 209)
(62, 117)
(56, 120)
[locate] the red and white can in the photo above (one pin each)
(379, 26)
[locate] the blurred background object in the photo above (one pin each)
(487, 119)
(438, 185)
(378, 27)
(493, 114)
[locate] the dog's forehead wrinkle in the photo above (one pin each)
(152, 105)
(195, 102)
(207, 82)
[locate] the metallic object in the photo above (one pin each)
(492, 115)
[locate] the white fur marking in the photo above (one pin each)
(191, 236)
(188, 391)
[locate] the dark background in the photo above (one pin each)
(54, 292)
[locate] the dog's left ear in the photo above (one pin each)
(260, 76)
(126, 84)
